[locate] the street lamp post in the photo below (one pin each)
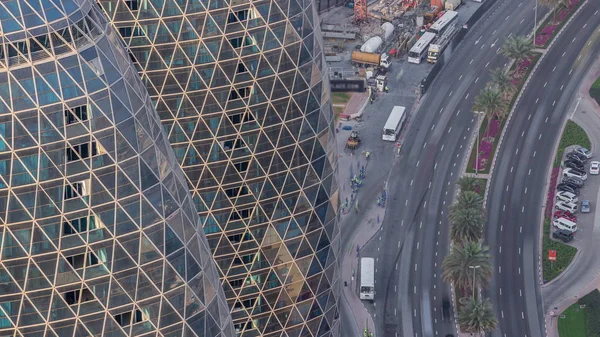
(535, 21)
(474, 268)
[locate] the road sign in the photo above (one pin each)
(552, 255)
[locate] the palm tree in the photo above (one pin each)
(491, 103)
(469, 199)
(466, 224)
(518, 48)
(467, 183)
(503, 81)
(554, 4)
(457, 262)
(477, 316)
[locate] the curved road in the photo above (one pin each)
(414, 239)
(517, 188)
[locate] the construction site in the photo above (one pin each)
(369, 44)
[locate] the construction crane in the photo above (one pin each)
(360, 10)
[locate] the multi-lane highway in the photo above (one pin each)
(516, 194)
(414, 239)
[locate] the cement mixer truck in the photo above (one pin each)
(380, 61)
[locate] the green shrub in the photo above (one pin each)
(573, 135)
(592, 309)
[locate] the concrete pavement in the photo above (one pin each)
(583, 275)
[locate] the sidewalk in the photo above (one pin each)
(367, 217)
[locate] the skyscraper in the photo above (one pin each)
(99, 235)
(239, 89)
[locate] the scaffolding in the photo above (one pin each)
(360, 10)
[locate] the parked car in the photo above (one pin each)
(563, 234)
(569, 172)
(567, 188)
(585, 206)
(574, 181)
(562, 223)
(566, 206)
(595, 167)
(567, 196)
(577, 156)
(572, 163)
(565, 214)
(582, 150)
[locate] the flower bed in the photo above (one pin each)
(489, 139)
(555, 21)
(551, 192)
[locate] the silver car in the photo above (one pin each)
(585, 206)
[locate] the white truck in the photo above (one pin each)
(367, 278)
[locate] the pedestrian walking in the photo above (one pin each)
(386, 89)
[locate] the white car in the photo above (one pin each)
(567, 197)
(566, 206)
(582, 150)
(569, 172)
(595, 167)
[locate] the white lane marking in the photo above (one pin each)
(522, 133)
(520, 293)
(516, 152)
(545, 84)
(575, 38)
(494, 32)
(502, 313)
(498, 51)
(503, 208)
(411, 182)
(487, 64)
(449, 129)
(546, 121)
(507, 18)
(458, 112)
(536, 100)
(522, 209)
(529, 172)
(561, 87)
(506, 188)
(522, 21)
(477, 79)
(553, 103)
(534, 152)
(563, 54)
(442, 109)
(540, 137)
(500, 249)
(553, 69)
(501, 227)
(511, 169)
(520, 229)
(471, 61)
(467, 96)
(418, 161)
(433, 126)
(520, 4)
(460, 78)
(525, 190)
(570, 71)
(499, 269)
(450, 94)
(528, 118)
(500, 291)
(519, 250)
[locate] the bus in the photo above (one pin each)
(444, 22)
(419, 50)
(394, 123)
(367, 278)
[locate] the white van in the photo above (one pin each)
(566, 206)
(562, 223)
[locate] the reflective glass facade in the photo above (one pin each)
(239, 88)
(98, 232)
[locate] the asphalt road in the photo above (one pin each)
(516, 195)
(414, 240)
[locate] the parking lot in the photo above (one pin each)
(590, 191)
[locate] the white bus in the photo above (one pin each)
(394, 123)
(419, 50)
(444, 22)
(367, 278)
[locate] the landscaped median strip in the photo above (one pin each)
(552, 25)
(489, 136)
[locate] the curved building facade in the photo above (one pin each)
(240, 90)
(99, 235)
